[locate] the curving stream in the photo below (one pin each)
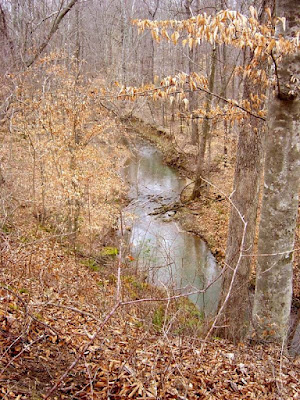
(171, 257)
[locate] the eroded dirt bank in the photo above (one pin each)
(206, 217)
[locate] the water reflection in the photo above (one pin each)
(170, 256)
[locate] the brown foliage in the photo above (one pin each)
(52, 303)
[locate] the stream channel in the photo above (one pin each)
(169, 256)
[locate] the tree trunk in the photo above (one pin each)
(245, 198)
(273, 294)
(240, 242)
(124, 43)
(5, 37)
(193, 104)
(192, 55)
(200, 170)
(192, 61)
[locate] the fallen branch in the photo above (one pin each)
(165, 208)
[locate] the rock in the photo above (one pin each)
(171, 213)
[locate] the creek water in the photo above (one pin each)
(169, 256)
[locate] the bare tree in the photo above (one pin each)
(60, 16)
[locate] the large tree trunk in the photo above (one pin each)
(5, 37)
(245, 198)
(273, 292)
(241, 233)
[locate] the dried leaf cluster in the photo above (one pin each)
(229, 27)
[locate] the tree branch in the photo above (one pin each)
(201, 89)
(54, 28)
(231, 103)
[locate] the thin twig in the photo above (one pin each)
(271, 254)
(27, 313)
(174, 297)
(14, 342)
(85, 313)
(21, 352)
(81, 354)
(143, 93)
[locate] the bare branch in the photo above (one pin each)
(54, 28)
(199, 88)
(81, 354)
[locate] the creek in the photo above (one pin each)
(169, 256)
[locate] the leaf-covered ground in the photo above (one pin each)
(52, 303)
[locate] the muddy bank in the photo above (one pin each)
(206, 217)
(168, 255)
(162, 139)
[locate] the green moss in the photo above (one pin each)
(140, 285)
(47, 228)
(220, 210)
(109, 251)
(138, 324)
(112, 278)
(158, 318)
(190, 318)
(131, 281)
(92, 264)
(24, 290)
(134, 287)
(25, 239)
(6, 228)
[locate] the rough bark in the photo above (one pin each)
(245, 197)
(4, 33)
(193, 103)
(246, 189)
(273, 294)
(149, 56)
(2, 180)
(124, 42)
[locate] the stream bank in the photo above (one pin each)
(206, 217)
(170, 257)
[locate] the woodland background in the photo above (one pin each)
(80, 81)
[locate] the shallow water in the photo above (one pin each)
(171, 257)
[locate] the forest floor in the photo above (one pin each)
(52, 303)
(67, 319)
